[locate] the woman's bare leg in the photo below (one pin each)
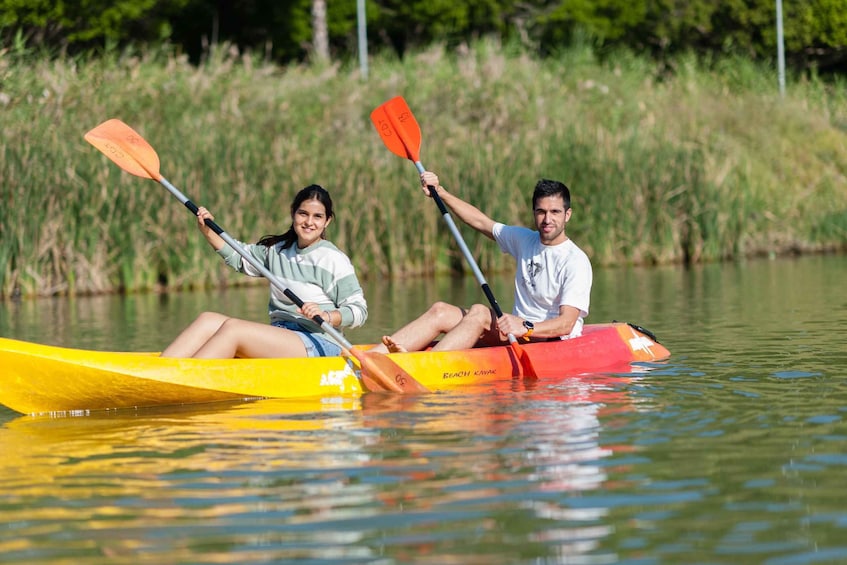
(242, 338)
(192, 338)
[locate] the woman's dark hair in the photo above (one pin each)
(311, 192)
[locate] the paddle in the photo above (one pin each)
(132, 153)
(401, 133)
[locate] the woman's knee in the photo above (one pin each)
(211, 319)
(231, 326)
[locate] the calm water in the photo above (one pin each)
(733, 452)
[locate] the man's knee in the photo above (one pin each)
(440, 309)
(443, 316)
(481, 313)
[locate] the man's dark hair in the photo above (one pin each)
(546, 187)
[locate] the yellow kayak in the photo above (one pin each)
(36, 378)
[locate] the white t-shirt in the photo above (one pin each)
(548, 276)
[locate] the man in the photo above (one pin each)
(552, 283)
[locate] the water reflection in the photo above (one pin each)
(282, 480)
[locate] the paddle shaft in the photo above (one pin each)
(399, 130)
(326, 326)
(525, 361)
(464, 247)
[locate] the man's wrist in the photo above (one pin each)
(529, 327)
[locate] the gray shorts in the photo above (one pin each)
(316, 344)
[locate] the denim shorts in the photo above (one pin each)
(316, 344)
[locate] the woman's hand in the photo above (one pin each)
(311, 309)
(214, 239)
(202, 215)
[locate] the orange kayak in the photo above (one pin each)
(37, 378)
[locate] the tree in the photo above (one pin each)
(295, 30)
(79, 24)
(320, 35)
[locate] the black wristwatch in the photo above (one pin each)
(530, 327)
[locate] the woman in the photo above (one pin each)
(307, 264)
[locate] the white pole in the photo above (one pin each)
(780, 48)
(363, 38)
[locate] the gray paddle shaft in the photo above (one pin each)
(457, 235)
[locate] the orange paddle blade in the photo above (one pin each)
(378, 368)
(398, 128)
(525, 361)
(126, 148)
(370, 384)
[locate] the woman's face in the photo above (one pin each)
(309, 222)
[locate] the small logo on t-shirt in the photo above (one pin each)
(533, 269)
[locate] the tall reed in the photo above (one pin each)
(704, 163)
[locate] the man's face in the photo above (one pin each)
(551, 218)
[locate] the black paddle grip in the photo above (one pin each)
(434, 193)
(194, 209)
(492, 300)
(293, 297)
(296, 300)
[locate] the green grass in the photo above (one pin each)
(705, 162)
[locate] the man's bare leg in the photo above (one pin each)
(392, 346)
(477, 324)
(418, 334)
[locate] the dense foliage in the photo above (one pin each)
(815, 30)
(707, 163)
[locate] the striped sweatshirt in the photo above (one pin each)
(321, 273)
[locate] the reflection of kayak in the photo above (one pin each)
(43, 455)
(41, 378)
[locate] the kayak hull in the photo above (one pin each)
(36, 378)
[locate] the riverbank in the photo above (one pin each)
(703, 163)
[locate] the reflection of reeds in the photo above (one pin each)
(691, 165)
